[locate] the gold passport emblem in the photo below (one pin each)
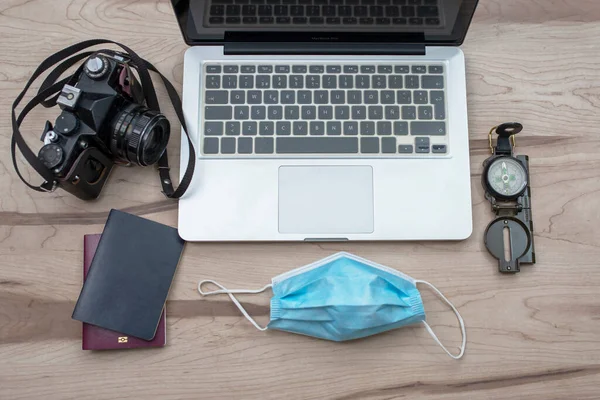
(123, 339)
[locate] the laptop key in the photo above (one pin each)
(401, 69)
(317, 145)
(345, 11)
(436, 69)
(248, 69)
(299, 20)
(329, 11)
(361, 11)
(216, 20)
(354, 97)
(405, 149)
(309, 112)
(265, 128)
(211, 145)
(321, 97)
(366, 21)
(281, 10)
(388, 145)
(399, 21)
(388, 97)
(292, 112)
(296, 81)
(367, 69)
(275, 112)
(304, 97)
(362, 82)
(330, 81)
(213, 82)
(244, 145)
(359, 112)
(249, 10)
(392, 11)
(279, 81)
(334, 69)
(395, 81)
(218, 112)
(242, 112)
(325, 112)
(263, 145)
(378, 81)
(271, 97)
(409, 112)
(266, 20)
(419, 69)
(288, 97)
(283, 20)
(265, 11)
(249, 128)
(432, 82)
(392, 112)
(342, 112)
(333, 21)
(265, 69)
(375, 112)
(232, 128)
(317, 128)
(231, 69)
(349, 21)
(282, 69)
(301, 128)
(247, 82)
(420, 97)
(346, 82)
(384, 69)
(351, 128)
(432, 21)
(227, 145)
(297, 11)
(425, 112)
(249, 20)
(411, 81)
(299, 69)
(283, 128)
(213, 128)
(369, 145)
(263, 82)
(334, 128)
(371, 97)
(233, 20)
(404, 97)
(316, 20)
(415, 21)
(436, 98)
(254, 97)
(216, 97)
(427, 11)
(427, 128)
(367, 128)
(408, 11)
(313, 11)
(230, 82)
(313, 81)
(213, 69)
(383, 21)
(338, 97)
(438, 148)
(217, 11)
(259, 112)
(401, 128)
(384, 128)
(350, 69)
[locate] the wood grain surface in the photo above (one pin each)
(535, 335)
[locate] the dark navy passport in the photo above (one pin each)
(129, 279)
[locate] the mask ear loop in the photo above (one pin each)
(231, 293)
(460, 321)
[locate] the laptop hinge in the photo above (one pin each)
(322, 43)
(380, 49)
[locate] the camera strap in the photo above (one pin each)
(50, 90)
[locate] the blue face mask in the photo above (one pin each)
(343, 297)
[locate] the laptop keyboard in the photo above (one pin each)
(262, 109)
(324, 12)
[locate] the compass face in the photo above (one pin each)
(507, 177)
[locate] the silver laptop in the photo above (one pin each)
(326, 120)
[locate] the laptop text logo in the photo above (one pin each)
(123, 339)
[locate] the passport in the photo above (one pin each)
(96, 338)
(130, 276)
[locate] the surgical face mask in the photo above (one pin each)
(343, 297)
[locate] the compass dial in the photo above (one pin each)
(507, 177)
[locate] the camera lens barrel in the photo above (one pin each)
(139, 135)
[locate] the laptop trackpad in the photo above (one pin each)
(326, 199)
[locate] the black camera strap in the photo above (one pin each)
(50, 90)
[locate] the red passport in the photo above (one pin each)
(96, 338)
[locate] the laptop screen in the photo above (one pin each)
(429, 21)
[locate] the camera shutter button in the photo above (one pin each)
(66, 124)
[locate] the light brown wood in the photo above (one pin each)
(535, 335)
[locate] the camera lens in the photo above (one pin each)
(139, 135)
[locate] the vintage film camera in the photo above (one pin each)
(103, 122)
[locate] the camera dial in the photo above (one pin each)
(51, 155)
(96, 66)
(66, 124)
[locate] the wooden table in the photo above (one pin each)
(535, 335)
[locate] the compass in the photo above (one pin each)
(506, 177)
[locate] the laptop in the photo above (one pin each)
(326, 120)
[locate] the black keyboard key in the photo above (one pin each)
(241, 1)
(283, 128)
(366, 21)
(263, 82)
(329, 11)
(241, 112)
(265, 69)
(233, 20)
(388, 145)
(432, 21)
(217, 11)
(296, 81)
(404, 97)
(383, 21)
(425, 112)
(249, 128)
(282, 69)
(376, 11)
(392, 11)
(316, 128)
(299, 20)
(301, 128)
(309, 112)
(321, 97)
(350, 128)
(325, 112)
(313, 11)
(432, 82)
(369, 145)
(254, 97)
(259, 112)
(297, 11)
(350, 69)
(233, 10)
(346, 82)
(322, 145)
(213, 69)
(361, 11)
(263, 145)
(408, 11)
(338, 97)
(257, 1)
(218, 112)
(409, 112)
(304, 97)
(249, 11)
(288, 97)
(420, 97)
(227, 145)
(283, 20)
(359, 112)
(362, 82)
(316, 69)
(401, 69)
(266, 128)
(367, 128)
(436, 69)
(395, 81)
(371, 97)
(292, 112)
(345, 11)
(427, 128)
(213, 82)
(401, 128)
(232, 128)
(216, 20)
(387, 97)
(414, 2)
(216, 97)
(334, 128)
(265, 11)
(266, 20)
(213, 128)
(400, 2)
(439, 107)
(279, 81)
(246, 82)
(405, 149)
(313, 81)
(316, 20)
(384, 69)
(211, 145)
(378, 82)
(419, 69)
(349, 21)
(334, 69)
(354, 97)
(399, 21)
(375, 112)
(231, 69)
(271, 97)
(415, 21)
(427, 11)
(384, 128)
(330, 81)
(342, 112)
(244, 145)
(281, 11)
(411, 81)
(392, 112)
(367, 69)
(438, 148)
(333, 21)
(248, 69)
(249, 20)
(299, 69)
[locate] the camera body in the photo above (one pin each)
(103, 122)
